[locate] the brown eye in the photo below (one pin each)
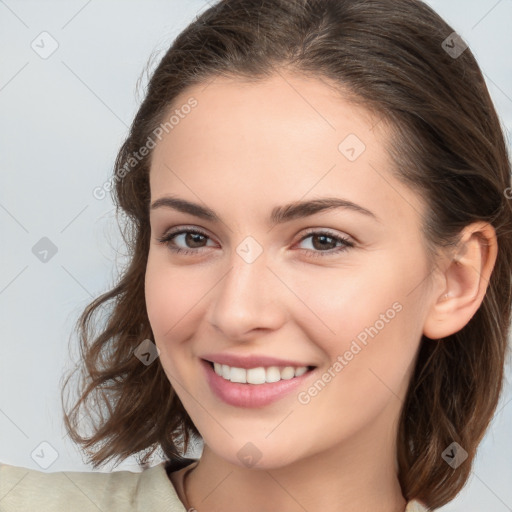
(325, 243)
(192, 239)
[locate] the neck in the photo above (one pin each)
(358, 474)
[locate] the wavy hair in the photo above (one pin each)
(447, 144)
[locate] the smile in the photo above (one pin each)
(254, 387)
(259, 375)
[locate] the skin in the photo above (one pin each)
(246, 148)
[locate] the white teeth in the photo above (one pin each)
(272, 374)
(255, 375)
(300, 371)
(258, 375)
(238, 375)
(288, 373)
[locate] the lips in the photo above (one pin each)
(253, 361)
(249, 395)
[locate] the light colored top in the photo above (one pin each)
(151, 490)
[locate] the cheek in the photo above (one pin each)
(338, 303)
(172, 295)
(368, 317)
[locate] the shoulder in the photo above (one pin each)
(28, 489)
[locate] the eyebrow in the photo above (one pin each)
(279, 215)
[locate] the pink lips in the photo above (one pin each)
(250, 395)
(251, 361)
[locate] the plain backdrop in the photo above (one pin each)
(66, 104)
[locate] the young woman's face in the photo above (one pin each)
(342, 289)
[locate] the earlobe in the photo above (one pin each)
(464, 281)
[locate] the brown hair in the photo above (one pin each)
(447, 144)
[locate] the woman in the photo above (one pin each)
(320, 278)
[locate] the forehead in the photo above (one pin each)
(276, 140)
(270, 112)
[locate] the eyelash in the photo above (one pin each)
(346, 244)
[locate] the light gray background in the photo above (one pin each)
(62, 121)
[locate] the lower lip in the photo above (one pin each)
(251, 395)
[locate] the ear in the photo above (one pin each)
(462, 282)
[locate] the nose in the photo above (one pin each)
(249, 298)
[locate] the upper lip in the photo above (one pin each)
(253, 361)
